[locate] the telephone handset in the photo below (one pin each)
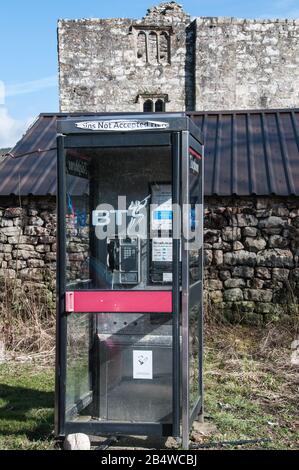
(113, 254)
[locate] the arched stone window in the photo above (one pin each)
(164, 48)
(141, 47)
(153, 45)
(148, 106)
(159, 106)
(150, 103)
(153, 48)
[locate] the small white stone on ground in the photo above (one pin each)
(77, 441)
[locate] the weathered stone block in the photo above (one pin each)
(8, 273)
(6, 223)
(36, 221)
(218, 257)
(47, 239)
(280, 211)
(32, 274)
(25, 254)
(19, 222)
(243, 271)
(276, 241)
(12, 212)
(208, 257)
(255, 244)
(11, 231)
(36, 231)
(232, 295)
(43, 248)
(35, 263)
(215, 296)
(17, 264)
(263, 273)
(280, 274)
(5, 248)
(249, 232)
(233, 283)
(32, 212)
(272, 225)
(258, 295)
(244, 220)
(225, 246)
(214, 284)
(211, 236)
(255, 283)
(275, 258)
(52, 256)
(230, 234)
(224, 275)
(240, 258)
(238, 246)
(22, 240)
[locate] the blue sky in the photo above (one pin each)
(28, 49)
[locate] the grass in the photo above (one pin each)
(251, 392)
(26, 406)
(251, 387)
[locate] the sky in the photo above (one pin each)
(28, 46)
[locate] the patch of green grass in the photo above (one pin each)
(248, 397)
(26, 407)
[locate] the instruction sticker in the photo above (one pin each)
(143, 364)
(162, 249)
(167, 277)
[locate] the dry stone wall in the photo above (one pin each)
(251, 252)
(252, 257)
(28, 239)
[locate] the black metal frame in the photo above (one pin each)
(70, 137)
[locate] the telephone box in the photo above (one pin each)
(130, 275)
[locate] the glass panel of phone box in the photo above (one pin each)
(195, 266)
(118, 231)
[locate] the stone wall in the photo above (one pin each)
(116, 64)
(246, 64)
(28, 239)
(252, 257)
(205, 64)
(251, 252)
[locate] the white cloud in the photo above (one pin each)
(31, 87)
(11, 130)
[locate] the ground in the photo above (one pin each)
(251, 392)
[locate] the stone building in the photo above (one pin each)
(200, 64)
(207, 67)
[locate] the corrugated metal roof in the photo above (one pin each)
(254, 152)
(246, 152)
(31, 166)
